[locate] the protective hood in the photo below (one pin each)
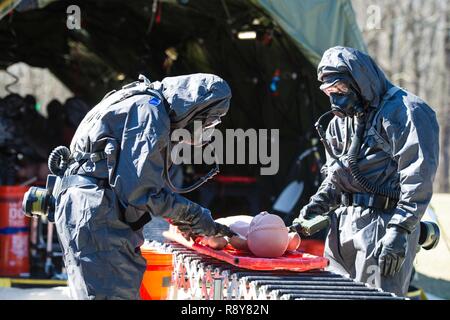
(189, 96)
(365, 75)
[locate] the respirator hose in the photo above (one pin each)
(194, 186)
(352, 157)
(322, 135)
(58, 160)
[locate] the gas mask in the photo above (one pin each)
(344, 98)
(345, 104)
(201, 132)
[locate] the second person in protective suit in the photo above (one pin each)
(115, 182)
(382, 155)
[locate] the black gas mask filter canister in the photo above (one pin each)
(39, 201)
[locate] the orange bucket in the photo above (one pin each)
(158, 276)
(14, 232)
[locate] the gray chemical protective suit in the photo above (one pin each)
(400, 150)
(121, 143)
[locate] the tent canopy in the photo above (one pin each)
(272, 76)
(316, 25)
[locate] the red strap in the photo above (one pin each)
(234, 179)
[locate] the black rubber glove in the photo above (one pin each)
(185, 229)
(305, 214)
(224, 231)
(199, 223)
(391, 250)
(203, 224)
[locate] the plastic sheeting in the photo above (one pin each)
(316, 25)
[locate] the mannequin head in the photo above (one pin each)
(267, 236)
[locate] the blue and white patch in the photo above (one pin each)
(154, 101)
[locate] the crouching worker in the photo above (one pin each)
(115, 180)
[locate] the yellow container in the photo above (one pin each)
(158, 276)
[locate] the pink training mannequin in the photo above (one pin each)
(265, 235)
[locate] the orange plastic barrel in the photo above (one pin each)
(14, 232)
(158, 276)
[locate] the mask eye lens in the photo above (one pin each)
(212, 124)
(208, 129)
(342, 87)
(339, 88)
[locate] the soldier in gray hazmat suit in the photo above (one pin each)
(114, 182)
(378, 186)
